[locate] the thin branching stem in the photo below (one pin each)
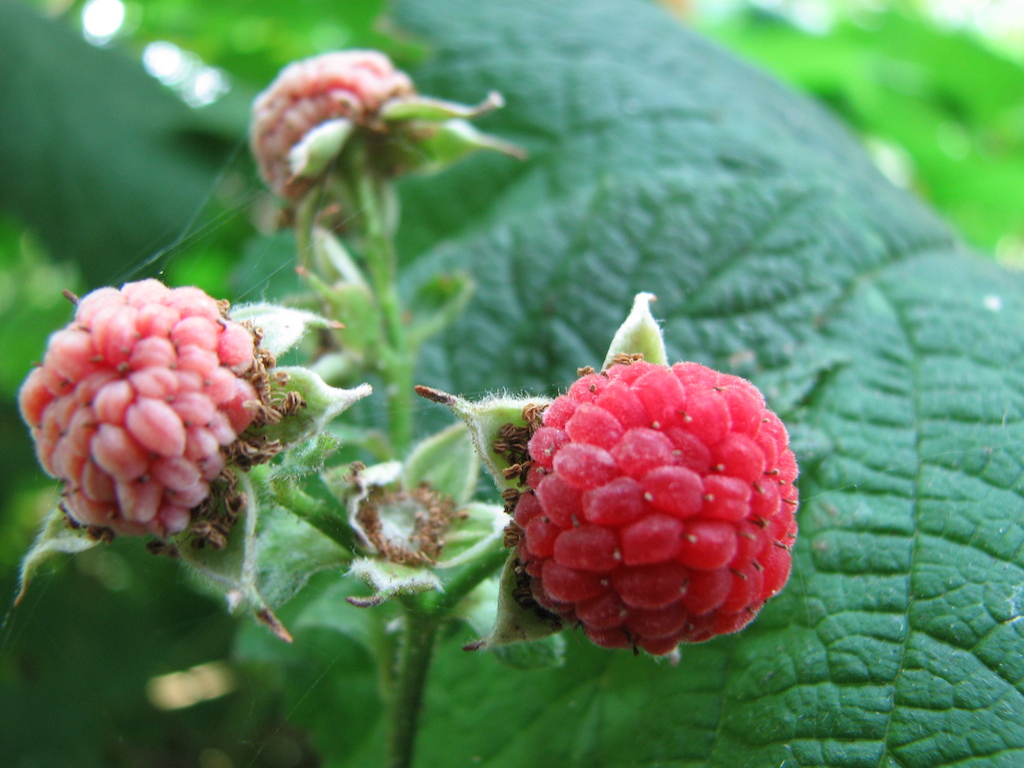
(414, 657)
(398, 358)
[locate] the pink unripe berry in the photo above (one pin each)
(659, 505)
(345, 84)
(134, 402)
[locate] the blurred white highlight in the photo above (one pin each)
(101, 20)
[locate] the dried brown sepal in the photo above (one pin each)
(434, 395)
(522, 593)
(513, 534)
(217, 515)
(69, 521)
(267, 618)
(511, 498)
(532, 415)
(365, 602)
(209, 533)
(291, 403)
(626, 359)
(161, 548)
(99, 533)
(513, 443)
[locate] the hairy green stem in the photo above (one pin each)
(424, 617)
(317, 513)
(405, 664)
(305, 219)
(414, 659)
(398, 359)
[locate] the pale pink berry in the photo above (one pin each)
(344, 84)
(136, 400)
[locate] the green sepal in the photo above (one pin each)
(341, 366)
(454, 140)
(304, 459)
(447, 462)
(638, 334)
(485, 420)
(477, 532)
(400, 563)
(232, 571)
(316, 151)
(389, 580)
(322, 404)
(431, 109)
(543, 653)
(291, 550)
(56, 536)
(514, 623)
(281, 327)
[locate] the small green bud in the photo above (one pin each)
(639, 334)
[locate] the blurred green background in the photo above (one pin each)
(934, 88)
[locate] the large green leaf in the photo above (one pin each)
(108, 167)
(659, 163)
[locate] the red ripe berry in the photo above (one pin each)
(660, 509)
(136, 401)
